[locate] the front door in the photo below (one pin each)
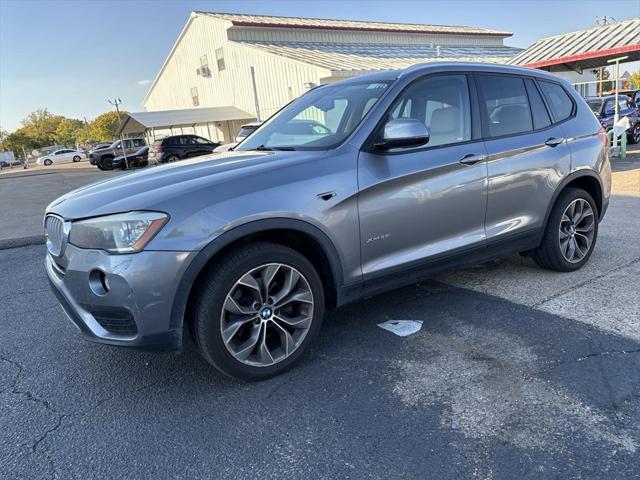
(424, 203)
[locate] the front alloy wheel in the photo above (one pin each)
(267, 315)
(257, 309)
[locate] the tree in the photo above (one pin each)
(17, 141)
(104, 126)
(41, 126)
(634, 80)
(68, 131)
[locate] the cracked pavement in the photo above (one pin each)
(516, 373)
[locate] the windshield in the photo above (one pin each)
(595, 105)
(319, 120)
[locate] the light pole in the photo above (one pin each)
(116, 102)
(617, 88)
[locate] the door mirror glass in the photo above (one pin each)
(403, 132)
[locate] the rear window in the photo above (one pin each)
(505, 105)
(558, 99)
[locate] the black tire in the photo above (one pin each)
(549, 255)
(99, 165)
(76, 159)
(133, 164)
(47, 162)
(172, 158)
(211, 295)
(107, 163)
(634, 137)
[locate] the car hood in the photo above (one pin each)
(159, 188)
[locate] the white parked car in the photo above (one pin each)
(62, 156)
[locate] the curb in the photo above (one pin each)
(21, 242)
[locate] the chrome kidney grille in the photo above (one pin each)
(55, 233)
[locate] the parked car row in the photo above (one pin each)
(604, 110)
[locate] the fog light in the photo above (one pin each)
(98, 282)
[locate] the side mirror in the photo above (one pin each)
(403, 132)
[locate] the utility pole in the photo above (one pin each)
(116, 103)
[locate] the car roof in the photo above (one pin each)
(429, 67)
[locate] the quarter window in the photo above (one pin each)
(442, 104)
(558, 100)
(504, 105)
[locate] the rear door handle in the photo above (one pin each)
(553, 141)
(472, 158)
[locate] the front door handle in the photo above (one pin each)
(553, 141)
(472, 158)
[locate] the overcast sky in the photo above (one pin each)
(72, 56)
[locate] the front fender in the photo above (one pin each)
(230, 236)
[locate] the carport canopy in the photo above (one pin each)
(137, 122)
(584, 49)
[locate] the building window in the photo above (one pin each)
(204, 62)
(194, 96)
(220, 59)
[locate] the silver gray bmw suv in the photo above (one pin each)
(356, 187)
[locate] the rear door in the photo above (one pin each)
(421, 204)
(527, 155)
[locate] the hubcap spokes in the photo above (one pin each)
(267, 314)
(577, 228)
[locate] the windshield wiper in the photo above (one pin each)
(264, 148)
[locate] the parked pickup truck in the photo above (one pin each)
(103, 159)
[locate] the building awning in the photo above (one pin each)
(583, 49)
(138, 122)
(341, 58)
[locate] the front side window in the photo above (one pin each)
(319, 120)
(504, 105)
(442, 104)
(200, 141)
(558, 100)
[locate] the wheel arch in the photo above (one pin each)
(297, 234)
(587, 180)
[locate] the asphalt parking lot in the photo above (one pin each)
(516, 373)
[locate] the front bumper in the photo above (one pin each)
(134, 310)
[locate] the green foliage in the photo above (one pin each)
(103, 127)
(68, 131)
(40, 129)
(634, 80)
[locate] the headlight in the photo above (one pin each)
(120, 233)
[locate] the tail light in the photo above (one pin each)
(157, 147)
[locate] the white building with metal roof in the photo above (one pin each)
(256, 64)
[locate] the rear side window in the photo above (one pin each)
(558, 100)
(505, 105)
(538, 110)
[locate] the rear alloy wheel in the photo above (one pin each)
(172, 158)
(76, 158)
(571, 232)
(258, 310)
